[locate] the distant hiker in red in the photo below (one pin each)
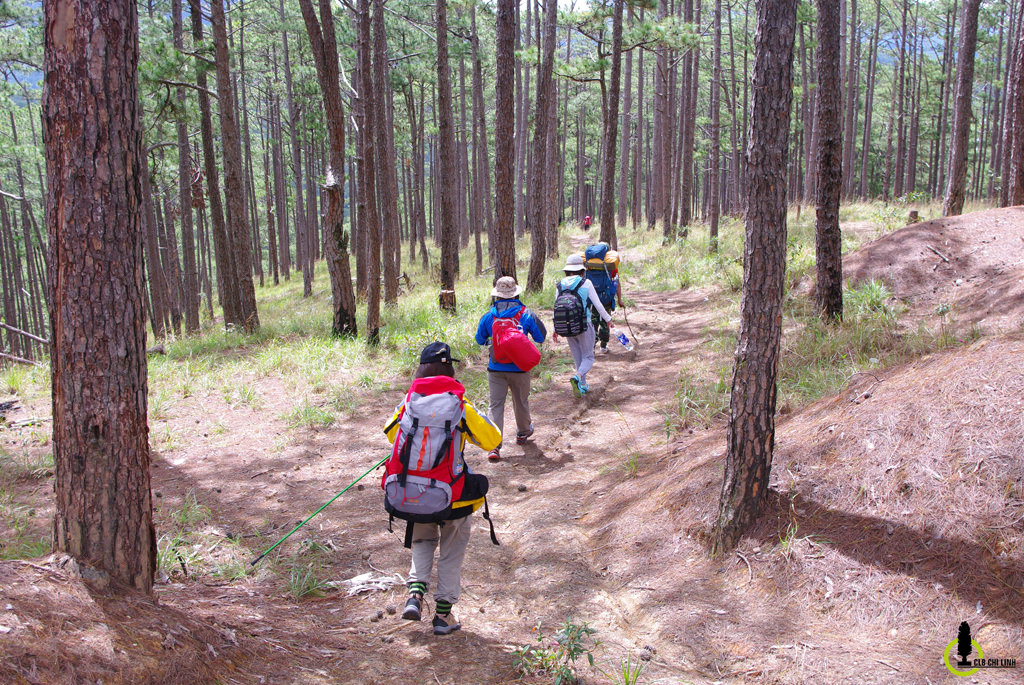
(586, 222)
(428, 484)
(506, 327)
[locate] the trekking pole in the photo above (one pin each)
(631, 333)
(274, 546)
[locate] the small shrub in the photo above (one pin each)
(557, 655)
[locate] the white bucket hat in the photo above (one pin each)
(574, 263)
(506, 288)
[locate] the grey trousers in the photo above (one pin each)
(454, 537)
(582, 348)
(500, 384)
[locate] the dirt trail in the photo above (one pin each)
(599, 519)
(547, 499)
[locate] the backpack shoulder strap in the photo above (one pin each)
(408, 534)
(487, 517)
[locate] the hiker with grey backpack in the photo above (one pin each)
(428, 484)
(575, 299)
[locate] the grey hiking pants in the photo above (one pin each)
(582, 348)
(454, 537)
(500, 384)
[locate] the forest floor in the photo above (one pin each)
(896, 511)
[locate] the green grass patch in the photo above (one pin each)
(308, 415)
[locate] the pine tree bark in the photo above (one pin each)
(366, 169)
(828, 240)
(188, 241)
(385, 156)
(714, 171)
(751, 432)
(239, 233)
(953, 204)
(94, 164)
(545, 92)
(626, 135)
(325, 56)
(504, 152)
(449, 171)
(611, 132)
(1016, 106)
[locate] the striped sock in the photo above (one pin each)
(444, 607)
(417, 587)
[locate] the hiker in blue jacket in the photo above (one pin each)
(505, 377)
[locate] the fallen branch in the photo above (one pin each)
(750, 571)
(12, 329)
(18, 360)
(938, 253)
(886, 663)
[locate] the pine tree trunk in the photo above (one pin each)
(828, 240)
(94, 164)
(716, 87)
(449, 170)
(751, 432)
(504, 160)
(188, 247)
(545, 93)
(325, 55)
(627, 133)
(234, 189)
(1016, 169)
(611, 132)
(869, 102)
(385, 157)
(953, 204)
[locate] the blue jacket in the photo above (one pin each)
(532, 326)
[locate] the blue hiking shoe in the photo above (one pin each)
(577, 391)
(584, 388)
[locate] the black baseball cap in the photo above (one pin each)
(437, 352)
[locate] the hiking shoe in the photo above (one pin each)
(445, 625)
(412, 608)
(521, 438)
(576, 389)
(584, 388)
(494, 455)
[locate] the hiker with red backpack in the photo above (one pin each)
(575, 299)
(427, 482)
(506, 327)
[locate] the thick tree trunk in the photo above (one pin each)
(325, 55)
(94, 164)
(545, 92)
(385, 157)
(188, 241)
(611, 132)
(1016, 106)
(504, 153)
(237, 221)
(957, 186)
(227, 293)
(828, 240)
(449, 170)
(366, 165)
(751, 432)
(714, 171)
(627, 107)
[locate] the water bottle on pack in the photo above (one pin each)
(625, 342)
